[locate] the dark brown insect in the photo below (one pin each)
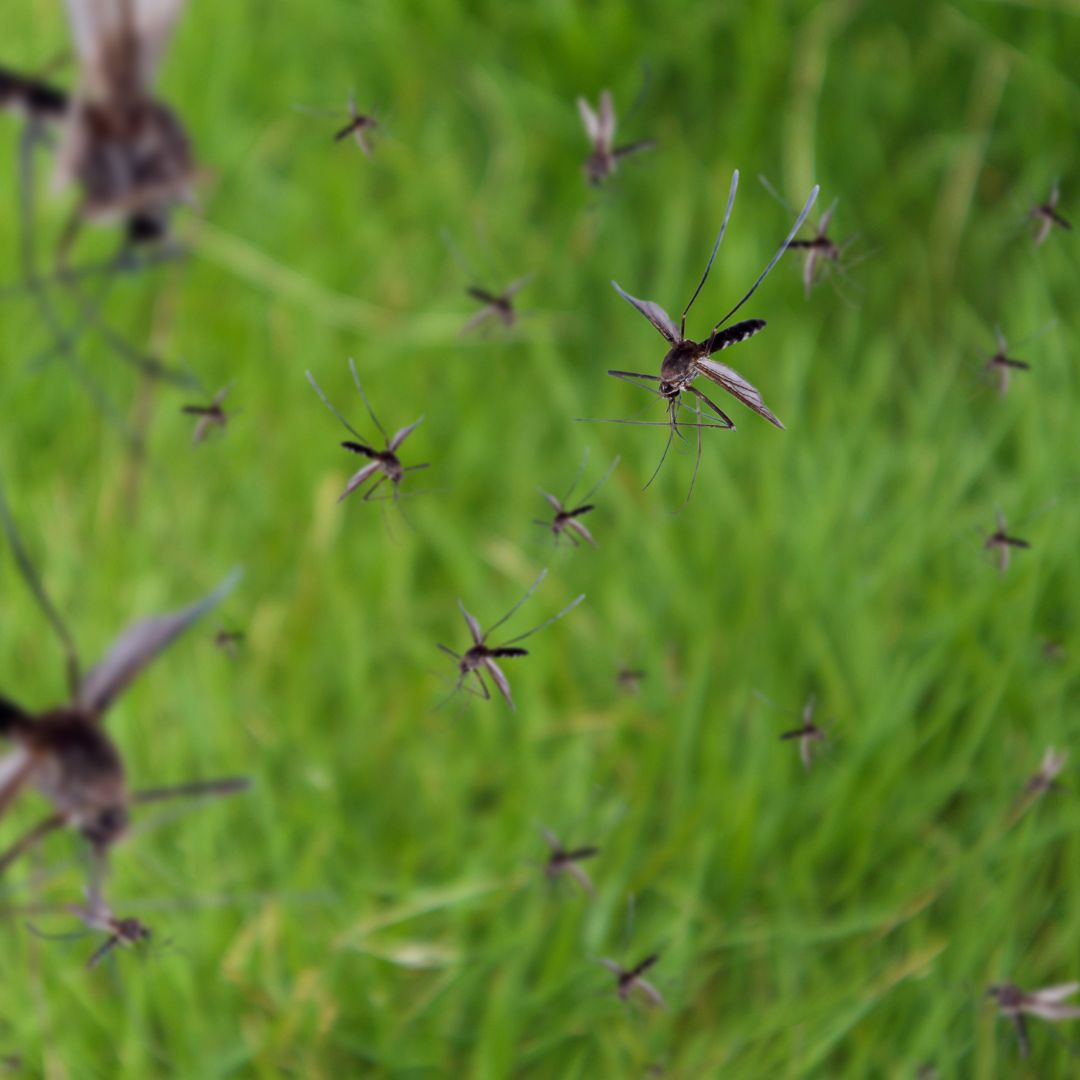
(481, 657)
(1004, 544)
(600, 128)
(565, 861)
(687, 359)
(499, 305)
(566, 521)
(1001, 365)
(358, 127)
(628, 680)
(808, 734)
(229, 641)
(383, 461)
(630, 981)
(65, 752)
(1046, 214)
(212, 415)
(1051, 766)
(1047, 1004)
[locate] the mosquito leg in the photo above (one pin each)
(673, 427)
(697, 460)
(374, 487)
(194, 789)
(28, 840)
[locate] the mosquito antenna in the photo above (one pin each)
(229, 785)
(326, 401)
(697, 460)
(577, 478)
(1035, 334)
(643, 92)
(532, 588)
(783, 247)
(646, 423)
(547, 622)
(774, 193)
(37, 587)
(716, 248)
(602, 481)
(367, 404)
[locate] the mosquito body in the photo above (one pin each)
(383, 463)
(628, 680)
(1046, 214)
(229, 641)
(480, 658)
(209, 416)
(631, 981)
(600, 129)
(562, 862)
(1051, 766)
(687, 359)
(1048, 1004)
(358, 128)
(1000, 366)
(496, 305)
(808, 734)
(1003, 544)
(567, 520)
(820, 249)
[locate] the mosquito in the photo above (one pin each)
(499, 305)
(65, 752)
(600, 129)
(631, 980)
(1046, 214)
(1051, 766)
(566, 521)
(358, 127)
(211, 415)
(565, 861)
(628, 679)
(687, 359)
(1001, 542)
(383, 461)
(808, 733)
(229, 641)
(481, 657)
(1048, 1004)
(1001, 365)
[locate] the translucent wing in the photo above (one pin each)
(582, 531)
(607, 120)
(737, 387)
(359, 478)
(649, 992)
(474, 626)
(582, 878)
(499, 679)
(516, 286)
(140, 644)
(552, 501)
(481, 316)
(654, 313)
(589, 119)
(809, 266)
(1057, 993)
(403, 433)
(823, 224)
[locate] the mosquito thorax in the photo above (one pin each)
(677, 366)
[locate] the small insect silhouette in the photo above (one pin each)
(563, 861)
(566, 521)
(230, 641)
(1051, 766)
(500, 305)
(385, 461)
(687, 359)
(808, 733)
(481, 657)
(97, 915)
(1003, 544)
(628, 679)
(600, 128)
(1001, 366)
(1048, 1004)
(210, 416)
(1046, 214)
(359, 126)
(631, 981)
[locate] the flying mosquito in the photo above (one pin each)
(1051, 766)
(566, 521)
(628, 679)
(687, 359)
(480, 657)
(1001, 542)
(565, 861)
(600, 128)
(1046, 214)
(1001, 365)
(230, 641)
(499, 305)
(358, 127)
(808, 733)
(1048, 1004)
(211, 415)
(65, 752)
(631, 980)
(383, 461)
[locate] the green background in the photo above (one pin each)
(375, 905)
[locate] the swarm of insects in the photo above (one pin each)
(600, 128)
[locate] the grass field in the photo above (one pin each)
(375, 905)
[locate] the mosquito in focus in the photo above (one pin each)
(600, 129)
(566, 521)
(65, 752)
(687, 359)
(565, 861)
(209, 416)
(1046, 214)
(1048, 1004)
(631, 981)
(808, 733)
(1001, 542)
(384, 462)
(481, 657)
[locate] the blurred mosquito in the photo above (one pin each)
(566, 520)
(211, 415)
(565, 861)
(1048, 1004)
(383, 461)
(499, 305)
(229, 641)
(687, 359)
(1046, 214)
(480, 657)
(628, 679)
(1051, 766)
(631, 981)
(600, 128)
(358, 128)
(65, 752)
(808, 733)
(1001, 542)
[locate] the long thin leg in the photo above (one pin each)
(29, 839)
(193, 789)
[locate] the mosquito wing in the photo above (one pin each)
(649, 993)
(615, 969)
(582, 531)
(809, 266)
(805, 751)
(140, 644)
(516, 286)
(474, 626)
(480, 317)
(607, 120)
(737, 387)
(589, 119)
(359, 478)
(499, 679)
(1057, 993)
(823, 224)
(582, 878)
(654, 313)
(403, 433)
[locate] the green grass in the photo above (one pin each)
(384, 912)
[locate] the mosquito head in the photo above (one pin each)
(131, 931)
(105, 826)
(391, 466)
(1007, 995)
